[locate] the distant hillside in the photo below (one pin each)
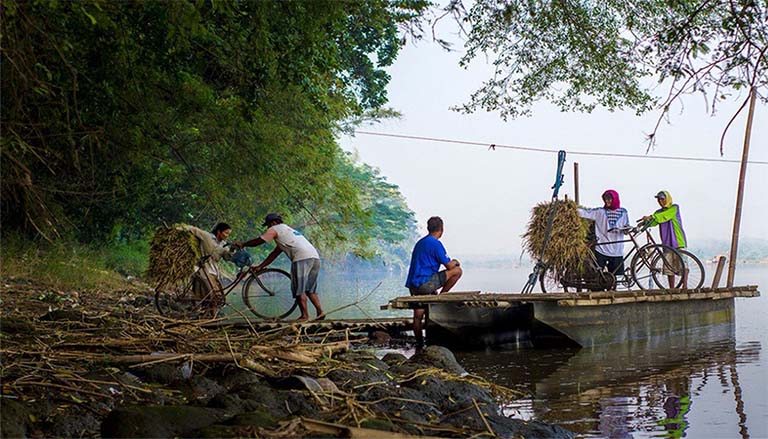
(750, 249)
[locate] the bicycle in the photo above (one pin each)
(266, 292)
(650, 264)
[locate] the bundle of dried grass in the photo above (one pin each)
(567, 246)
(172, 255)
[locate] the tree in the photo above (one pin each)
(118, 116)
(580, 54)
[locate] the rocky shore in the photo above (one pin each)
(105, 365)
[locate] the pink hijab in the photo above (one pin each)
(615, 203)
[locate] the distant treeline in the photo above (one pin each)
(118, 116)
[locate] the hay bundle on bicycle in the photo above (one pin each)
(173, 254)
(567, 246)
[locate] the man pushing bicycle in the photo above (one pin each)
(305, 260)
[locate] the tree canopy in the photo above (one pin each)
(581, 54)
(119, 116)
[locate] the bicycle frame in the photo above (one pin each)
(633, 238)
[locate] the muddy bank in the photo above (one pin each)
(103, 364)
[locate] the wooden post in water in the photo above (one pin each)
(740, 191)
(718, 272)
(576, 182)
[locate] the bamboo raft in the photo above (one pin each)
(584, 318)
(483, 299)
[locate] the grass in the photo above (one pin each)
(71, 265)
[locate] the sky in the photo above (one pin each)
(485, 197)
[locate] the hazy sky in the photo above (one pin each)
(485, 197)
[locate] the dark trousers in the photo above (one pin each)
(615, 264)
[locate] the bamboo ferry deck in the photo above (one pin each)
(584, 318)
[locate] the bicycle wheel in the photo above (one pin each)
(549, 280)
(695, 269)
(178, 301)
(651, 265)
(268, 294)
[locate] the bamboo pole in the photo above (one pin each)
(718, 272)
(576, 182)
(740, 191)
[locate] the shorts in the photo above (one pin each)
(304, 276)
(430, 286)
(673, 268)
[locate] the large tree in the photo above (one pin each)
(580, 54)
(119, 115)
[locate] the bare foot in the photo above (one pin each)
(320, 316)
(302, 319)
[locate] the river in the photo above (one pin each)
(711, 383)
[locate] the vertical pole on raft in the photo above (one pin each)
(576, 182)
(740, 191)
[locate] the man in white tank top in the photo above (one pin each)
(305, 261)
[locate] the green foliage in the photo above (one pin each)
(580, 54)
(69, 264)
(120, 116)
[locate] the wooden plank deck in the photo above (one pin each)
(484, 299)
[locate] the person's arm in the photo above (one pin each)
(252, 243)
(453, 263)
(267, 236)
(661, 216)
(207, 241)
(270, 259)
(589, 213)
(442, 256)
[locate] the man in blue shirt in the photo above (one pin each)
(424, 275)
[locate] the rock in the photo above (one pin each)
(328, 386)
(380, 338)
(162, 373)
(75, 422)
(348, 379)
(450, 396)
(255, 419)
(301, 403)
(201, 390)
(297, 382)
(440, 357)
(231, 377)
(244, 425)
(263, 397)
(393, 399)
(158, 421)
(233, 403)
(14, 418)
(363, 358)
(394, 358)
(507, 427)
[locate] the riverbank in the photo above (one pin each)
(102, 363)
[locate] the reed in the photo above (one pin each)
(173, 254)
(567, 246)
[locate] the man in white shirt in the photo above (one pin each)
(305, 261)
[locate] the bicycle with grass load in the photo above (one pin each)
(203, 292)
(651, 265)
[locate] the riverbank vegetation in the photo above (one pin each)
(120, 116)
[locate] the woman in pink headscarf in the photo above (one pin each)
(608, 220)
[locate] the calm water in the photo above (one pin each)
(712, 383)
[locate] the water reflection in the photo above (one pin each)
(638, 389)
